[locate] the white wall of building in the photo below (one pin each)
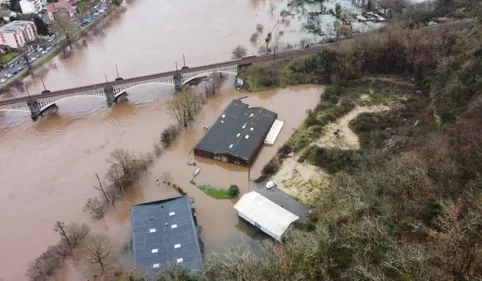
(31, 6)
(18, 33)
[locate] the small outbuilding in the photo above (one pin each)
(266, 215)
(238, 134)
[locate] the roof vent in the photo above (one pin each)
(251, 115)
(179, 260)
(172, 214)
(246, 137)
(222, 121)
(174, 226)
(156, 265)
(152, 218)
(152, 230)
(252, 129)
(177, 246)
(239, 134)
(244, 126)
(231, 145)
(224, 115)
(154, 251)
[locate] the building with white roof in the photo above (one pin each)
(266, 215)
(32, 6)
(17, 34)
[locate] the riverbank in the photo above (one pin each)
(112, 11)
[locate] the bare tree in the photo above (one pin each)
(259, 28)
(97, 257)
(62, 230)
(95, 207)
(238, 52)
(124, 169)
(184, 106)
(64, 25)
(101, 188)
(169, 135)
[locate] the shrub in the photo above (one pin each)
(233, 191)
(270, 168)
(284, 150)
(334, 159)
(238, 52)
(169, 135)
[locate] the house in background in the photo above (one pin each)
(32, 6)
(17, 34)
(62, 6)
(6, 14)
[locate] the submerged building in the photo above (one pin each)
(165, 233)
(238, 134)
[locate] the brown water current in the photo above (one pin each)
(47, 168)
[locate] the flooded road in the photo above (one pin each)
(48, 168)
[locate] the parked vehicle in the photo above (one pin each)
(271, 184)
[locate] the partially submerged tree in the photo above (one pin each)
(97, 257)
(124, 169)
(184, 106)
(95, 207)
(239, 52)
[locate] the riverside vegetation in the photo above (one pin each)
(406, 205)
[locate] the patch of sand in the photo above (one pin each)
(302, 181)
(346, 138)
(305, 181)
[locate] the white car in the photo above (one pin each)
(271, 184)
(44, 52)
(3, 80)
(8, 75)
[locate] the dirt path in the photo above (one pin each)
(346, 138)
(305, 181)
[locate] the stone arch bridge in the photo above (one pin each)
(38, 105)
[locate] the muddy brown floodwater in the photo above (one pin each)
(47, 168)
(151, 35)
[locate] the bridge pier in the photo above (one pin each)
(35, 111)
(109, 95)
(177, 82)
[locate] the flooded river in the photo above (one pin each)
(48, 168)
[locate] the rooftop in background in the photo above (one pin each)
(164, 233)
(270, 217)
(14, 25)
(60, 5)
(238, 133)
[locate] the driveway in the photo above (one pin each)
(284, 200)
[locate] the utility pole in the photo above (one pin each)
(184, 60)
(28, 93)
(177, 69)
(43, 83)
(106, 80)
(117, 70)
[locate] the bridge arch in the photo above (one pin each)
(44, 105)
(207, 73)
(121, 91)
(14, 110)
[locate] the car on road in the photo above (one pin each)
(3, 80)
(44, 52)
(48, 49)
(271, 184)
(8, 75)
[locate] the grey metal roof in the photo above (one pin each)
(163, 233)
(238, 131)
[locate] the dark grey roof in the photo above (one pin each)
(238, 131)
(152, 228)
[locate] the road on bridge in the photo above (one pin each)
(313, 49)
